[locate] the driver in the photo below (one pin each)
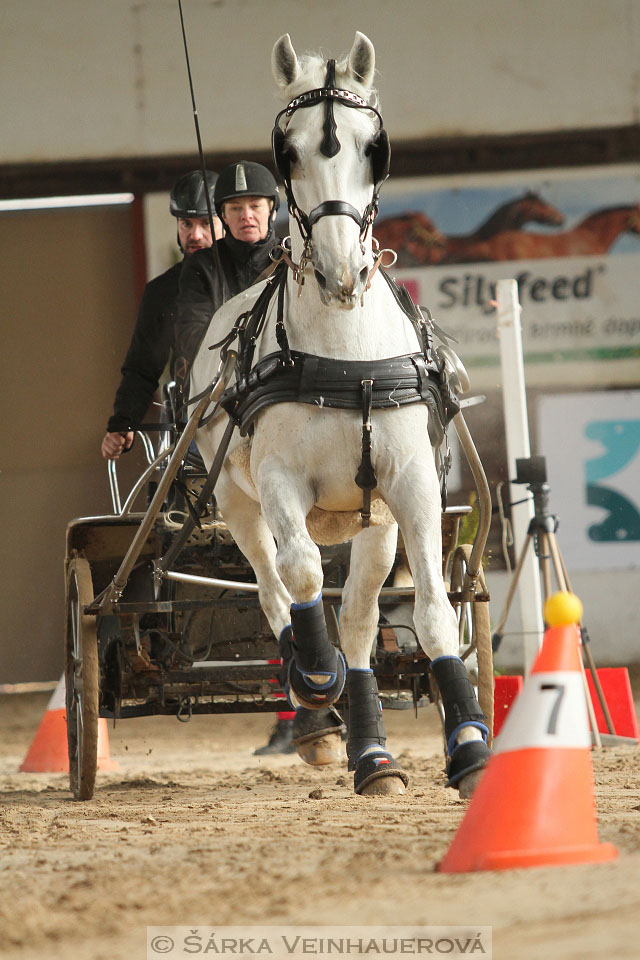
(153, 336)
(246, 200)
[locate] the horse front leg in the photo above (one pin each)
(317, 734)
(252, 536)
(316, 672)
(374, 769)
(414, 499)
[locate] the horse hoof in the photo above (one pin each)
(468, 784)
(384, 787)
(322, 750)
(466, 765)
(374, 771)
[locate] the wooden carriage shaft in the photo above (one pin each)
(484, 507)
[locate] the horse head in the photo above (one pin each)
(332, 154)
(533, 209)
(634, 220)
(413, 236)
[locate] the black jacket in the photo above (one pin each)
(203, 288)
(174, 313)
(149, 351)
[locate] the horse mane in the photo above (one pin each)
(313, 69)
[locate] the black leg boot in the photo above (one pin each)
(366, 730)
(461, 709)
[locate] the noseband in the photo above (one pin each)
(378, 149)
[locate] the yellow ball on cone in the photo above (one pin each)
(562, 608)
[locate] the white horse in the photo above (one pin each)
(301, 459)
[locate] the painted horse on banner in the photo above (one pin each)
(339, 396)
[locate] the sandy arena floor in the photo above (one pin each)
(193, 829)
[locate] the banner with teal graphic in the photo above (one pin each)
(592, 445)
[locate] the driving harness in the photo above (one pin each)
(291, 376)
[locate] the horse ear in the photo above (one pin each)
(284, 62)
(362, 60)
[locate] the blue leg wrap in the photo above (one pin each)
(314, 655)
(365, 714)
(366, 729)
(461, 709)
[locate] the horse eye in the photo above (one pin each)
(292, 154)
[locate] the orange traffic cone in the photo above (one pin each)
(534, 805)
(48, 750)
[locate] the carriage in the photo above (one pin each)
(196, 641)
(167, 609)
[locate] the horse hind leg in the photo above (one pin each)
(374, 769)
(465, 728)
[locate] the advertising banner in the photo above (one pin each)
(592, 445)
(571, 239)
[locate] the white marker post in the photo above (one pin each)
(514, 400)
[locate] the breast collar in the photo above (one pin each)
(296, 377)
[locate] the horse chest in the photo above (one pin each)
(323, 445)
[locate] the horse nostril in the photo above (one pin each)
(364, 274)
(322, 280)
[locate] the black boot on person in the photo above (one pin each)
(279, 741)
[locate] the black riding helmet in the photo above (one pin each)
(245, 179)
(188, 198)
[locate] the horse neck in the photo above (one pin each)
(507, 217)
(606, 225)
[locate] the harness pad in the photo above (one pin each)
(325, 382)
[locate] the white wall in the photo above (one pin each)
(107, 78)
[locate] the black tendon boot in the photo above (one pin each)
(461, 709)
(313, 656)
(366, 730)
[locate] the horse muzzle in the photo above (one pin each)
(341, 286)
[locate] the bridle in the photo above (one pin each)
(378, 150)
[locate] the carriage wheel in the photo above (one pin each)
(81, 680)
(474, 632)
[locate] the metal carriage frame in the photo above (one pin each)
(130, 649)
